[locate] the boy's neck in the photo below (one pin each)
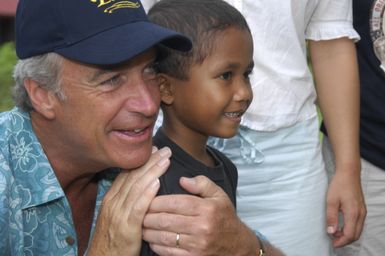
(193, 143)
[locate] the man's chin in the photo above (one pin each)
(135, 161)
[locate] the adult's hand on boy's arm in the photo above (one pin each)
(208, 224)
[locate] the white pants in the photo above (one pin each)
(282, 186)
(372, 240)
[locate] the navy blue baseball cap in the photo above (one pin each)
(100, 32)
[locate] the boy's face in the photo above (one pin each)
(218, 92)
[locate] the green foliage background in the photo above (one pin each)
(7, 61)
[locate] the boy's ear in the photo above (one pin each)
(166, 90)
(42, 100)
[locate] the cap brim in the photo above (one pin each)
(123, 43)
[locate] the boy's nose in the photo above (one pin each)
(244, 92)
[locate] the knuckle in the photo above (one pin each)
(205, 244)
(136, 188)
(137, 209)
(169, 251)
(331, 219)
(174, 203)
(164, 222)
(180, 203)
(107, 207)
(351, 238)
(210, 209)
(163, 238)
(199, 177)
(206, 230)
(354, 215)
(202, 180)
(108, 198)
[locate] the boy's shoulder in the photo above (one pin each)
(223, 158)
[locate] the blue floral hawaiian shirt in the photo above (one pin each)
(35, 216)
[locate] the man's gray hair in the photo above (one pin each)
(44, 69)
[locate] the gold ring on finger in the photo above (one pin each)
(177, 244)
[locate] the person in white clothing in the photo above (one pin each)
(368, 20)
(283, 190)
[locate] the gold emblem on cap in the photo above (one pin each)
(111, 5)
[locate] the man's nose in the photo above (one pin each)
(143, 97)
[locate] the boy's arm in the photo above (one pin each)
(336, 76)
(207, 224)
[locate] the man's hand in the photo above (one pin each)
(207, 225)
(345, 196)
(119, 226)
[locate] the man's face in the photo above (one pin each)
(108, 114)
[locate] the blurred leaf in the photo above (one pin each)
(7, 62)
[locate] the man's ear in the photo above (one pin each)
(42, 100)
(166, 90)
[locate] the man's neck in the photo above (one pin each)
(71, 169)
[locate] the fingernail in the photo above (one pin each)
(189, 180)
(154, 149)
(155, 183)
(165, 151)
(330, 230)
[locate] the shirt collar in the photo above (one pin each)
(35, 180)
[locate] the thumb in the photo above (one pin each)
(202, 186)
(332, 218)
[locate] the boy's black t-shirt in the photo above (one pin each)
(368, 19)
(224, 174)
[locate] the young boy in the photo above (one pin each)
(204, 92)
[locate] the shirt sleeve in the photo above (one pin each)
(331, 19)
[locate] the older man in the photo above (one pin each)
(87, 99)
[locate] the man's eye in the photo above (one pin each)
(113, 81)
(154, 66)
(151, 71)
(226, 76)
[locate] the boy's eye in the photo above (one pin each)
(226, 76)
(248, 73)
